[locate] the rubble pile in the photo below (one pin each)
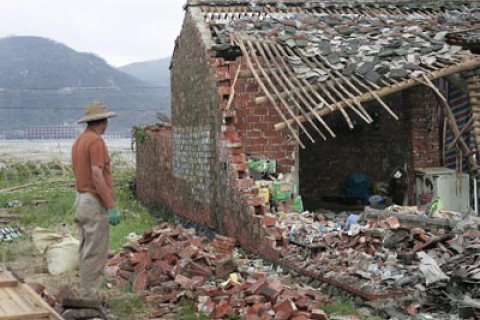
(169, 265)
(385, 258)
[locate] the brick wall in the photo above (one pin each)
(204, 176)
(198, 169)
(184, 180)
(375, 149)
(424, 139)
(255, 123)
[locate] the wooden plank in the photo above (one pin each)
(53, 313)
(7, 305)
(27, 316)
(8, 282)
(21, 302)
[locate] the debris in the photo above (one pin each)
(13, 204)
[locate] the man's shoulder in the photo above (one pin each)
(89, 136)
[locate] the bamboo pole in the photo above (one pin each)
(361, 112)
(467, 65)
(473, 78)
(302, 88)
(281, 82)
(305, 82)
(284, 79)
(453, 125)
(350, 84)
(329, 95)
(272, 85)
(265, 90)
(466, 127)
(232, 90)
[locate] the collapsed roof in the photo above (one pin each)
(312, 58)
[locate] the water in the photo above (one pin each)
(59, 150)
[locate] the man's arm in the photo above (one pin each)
(102, 187)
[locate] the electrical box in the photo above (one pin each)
(443, 182)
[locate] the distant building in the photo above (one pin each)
(54, 132)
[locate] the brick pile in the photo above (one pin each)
(170, 264)
(54, 300)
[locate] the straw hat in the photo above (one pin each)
(96, 111)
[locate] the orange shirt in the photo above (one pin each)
(90, 150)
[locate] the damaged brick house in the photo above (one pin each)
(324, 88)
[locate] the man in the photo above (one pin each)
(95, 205)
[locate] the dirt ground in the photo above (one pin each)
(23, 259)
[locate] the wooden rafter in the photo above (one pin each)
(284, 82)
(462, 145)
(461, 67)
(264, 88)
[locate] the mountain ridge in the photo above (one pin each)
(154, 72)
(37, 62)
(35, 71)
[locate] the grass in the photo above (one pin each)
(188, 313)
(340, 307)
(59, 195)
(54, 185)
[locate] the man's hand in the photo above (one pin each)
(114, 216)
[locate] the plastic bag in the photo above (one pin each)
(63, 256)
(43, 237)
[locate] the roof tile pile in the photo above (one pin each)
(385, 257)
(393, 46)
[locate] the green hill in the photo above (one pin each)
(43, 82)
(155, 72)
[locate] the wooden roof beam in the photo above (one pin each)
(461, 67)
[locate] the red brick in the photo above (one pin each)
(256, 299)
(141, 281)
(197, 269)
(244, 183)
(63, 293)
(184, 282)
(255, 201)
(393, 222)
(256, 287)
(222, 309)
(257, 309)
(37, 287)
(300, 317)
(49, 299)
(260, 111)
(125, 274)
(224, 268)
(237, 302)
(198, 281)
(302, 303)
(238, 159)
(239, 166)
(136, 258)
(189, 252)
(206, 305)
(269, 221)
(285, 309)
(318, 314)
(272, 291)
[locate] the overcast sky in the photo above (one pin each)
(120, 31)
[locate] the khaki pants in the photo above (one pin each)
(92, 220)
